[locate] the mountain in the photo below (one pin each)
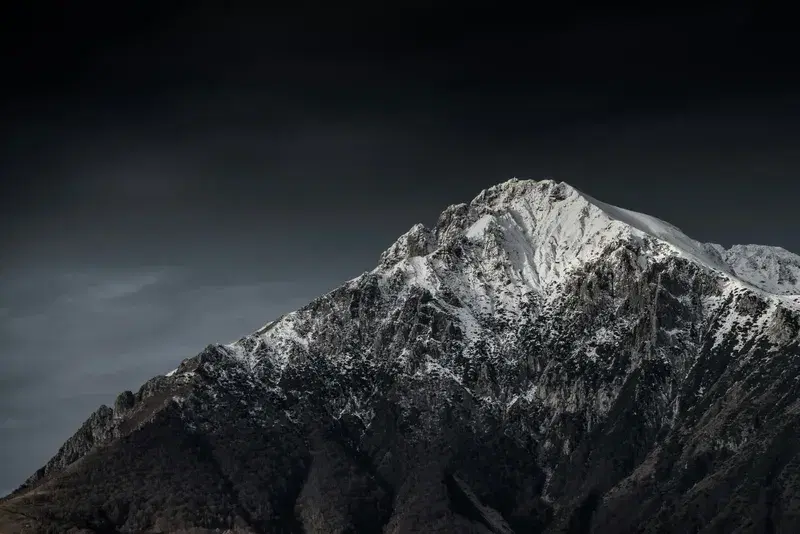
(537, 362)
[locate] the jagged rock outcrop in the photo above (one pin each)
(538, 361)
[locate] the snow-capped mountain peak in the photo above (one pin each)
(523, 241)
(536, 361)
(542, 230)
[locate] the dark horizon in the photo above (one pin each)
(181, 176)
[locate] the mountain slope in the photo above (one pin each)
(538, 361)
(773, 269)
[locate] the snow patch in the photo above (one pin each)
(480, 227)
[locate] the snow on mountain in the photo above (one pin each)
(773, 269)
(650, 226)
(521, 240)
(512, 240)
(546, 229)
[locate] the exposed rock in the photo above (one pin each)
(124, 403)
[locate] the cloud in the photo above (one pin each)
(9, 423)
(113, 289)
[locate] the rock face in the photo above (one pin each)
(538, 362)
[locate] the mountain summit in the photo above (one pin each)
(536, 362)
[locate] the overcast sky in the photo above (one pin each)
(181, 177)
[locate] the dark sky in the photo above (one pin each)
(180, 175)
